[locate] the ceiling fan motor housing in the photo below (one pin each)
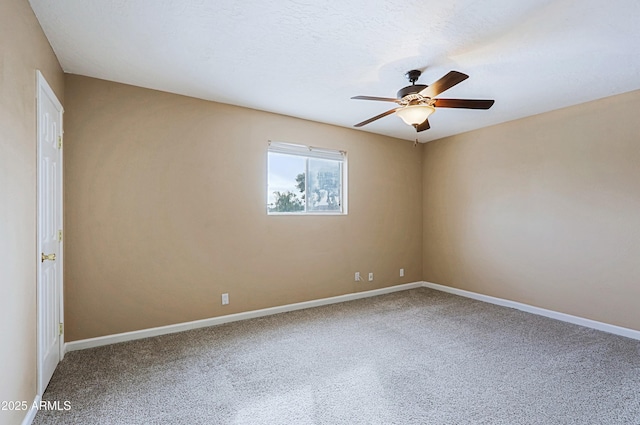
(413, 89)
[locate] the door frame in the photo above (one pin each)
(43, 89)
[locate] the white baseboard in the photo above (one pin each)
(31, 414)
(163, 330)
(605, 327)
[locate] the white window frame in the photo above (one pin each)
(311, 152)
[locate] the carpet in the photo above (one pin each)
(413, 357)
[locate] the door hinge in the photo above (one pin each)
(60, 235)
(61, 328)
(59, 142)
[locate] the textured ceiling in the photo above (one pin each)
(306, 58)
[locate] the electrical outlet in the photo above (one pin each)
(401, 272)
(357, 276)
(225, 299)
(370, 277)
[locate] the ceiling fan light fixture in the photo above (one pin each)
(415, 114)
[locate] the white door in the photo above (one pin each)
(50, 340)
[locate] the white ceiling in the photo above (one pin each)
(306, 58)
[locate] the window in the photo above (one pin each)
(305, 180)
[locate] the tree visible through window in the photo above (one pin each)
(303, 179)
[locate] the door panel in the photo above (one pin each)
(49, 224)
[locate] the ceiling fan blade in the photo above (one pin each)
(464, 103)
(384, 99)
(444, 83)
(384, 114)
(424, 126)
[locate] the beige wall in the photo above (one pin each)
(544, 210)
(23, 49)
(165, 200)
(165, 209)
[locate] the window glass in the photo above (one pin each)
(323, 187)
(303, 179)
(286, 183)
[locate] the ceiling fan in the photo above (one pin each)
(416, 102)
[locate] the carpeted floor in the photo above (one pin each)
(412, 357)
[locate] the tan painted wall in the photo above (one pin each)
(23, 49)
(165, 210)
(544, 210)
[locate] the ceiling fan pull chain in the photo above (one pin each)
(415, 143)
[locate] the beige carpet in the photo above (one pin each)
(412, 357)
